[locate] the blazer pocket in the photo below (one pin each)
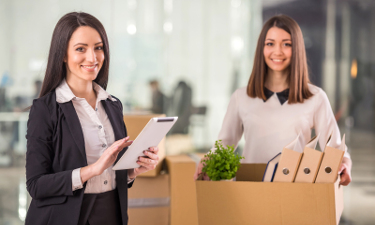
(50, 201)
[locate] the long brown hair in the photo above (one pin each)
(299, 75)
(56, 68)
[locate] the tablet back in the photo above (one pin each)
(150, 136)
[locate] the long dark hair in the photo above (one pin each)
(56, 68)
(299, 75)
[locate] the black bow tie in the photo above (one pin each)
(282, 96)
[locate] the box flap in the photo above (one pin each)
(150, 187)
(179, 159)
(250, 172)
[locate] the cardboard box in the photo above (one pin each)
(249, 201)
(181, 170)
(134, 125)
(149, 201)
(167, 198)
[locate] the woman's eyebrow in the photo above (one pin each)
(269, 39)
(87, 44)
(80, 44)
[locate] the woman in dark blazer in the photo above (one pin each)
(76, 132)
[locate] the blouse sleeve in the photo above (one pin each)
(232, 128)
(325, 123)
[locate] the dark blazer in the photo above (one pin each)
(55, 147)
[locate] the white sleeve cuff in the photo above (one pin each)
(76, 179)
(130, 180)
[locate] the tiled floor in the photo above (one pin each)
(359, 195)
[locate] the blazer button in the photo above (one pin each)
(100, 126)
(104, 145)
(105, 182)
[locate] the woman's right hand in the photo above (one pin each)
(106, 160)
(198, 172)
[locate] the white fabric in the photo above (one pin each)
(269, 126)
(98, 136)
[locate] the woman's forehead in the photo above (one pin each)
(276, 33)
(85, 35)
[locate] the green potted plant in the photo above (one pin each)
(222, 164)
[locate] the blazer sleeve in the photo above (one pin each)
(41, 180)
(325, 123)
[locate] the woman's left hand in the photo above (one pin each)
(146, 163)
(345, 171)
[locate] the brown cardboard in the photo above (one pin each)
(265, 203)
(290, 161)
(332, 158)
(134, 125)
(149, 200)
(181, 170)
(311, 160)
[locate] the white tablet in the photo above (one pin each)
(150, 136)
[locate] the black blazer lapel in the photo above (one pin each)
(116, 118)
(74, 126)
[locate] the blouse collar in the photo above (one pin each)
(282, 96)
(65, 94)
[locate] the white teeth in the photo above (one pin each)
(90, 67)
(277, 60)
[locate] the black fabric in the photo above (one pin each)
(99, 209)
(282, 96)
(55, 147)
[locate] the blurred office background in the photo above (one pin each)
(185, 58)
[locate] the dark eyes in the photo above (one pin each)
(285, 44)
(81, 49)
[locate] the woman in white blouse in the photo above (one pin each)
(279, 101)
(76, 132)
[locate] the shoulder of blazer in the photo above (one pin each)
(42, 116)
(49, 100)
(117, 102)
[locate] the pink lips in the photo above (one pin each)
(278, 61)
(90, 68)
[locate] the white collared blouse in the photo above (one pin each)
(97, 133)
(268, 125)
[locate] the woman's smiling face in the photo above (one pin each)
(277, 49)
(85, 55)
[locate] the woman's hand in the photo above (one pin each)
(106, 159)
(198, 172)
(345, 171)
(146, 163)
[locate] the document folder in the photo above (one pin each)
(310, 162)
(331, 163)
(289, 161)
(271, 168)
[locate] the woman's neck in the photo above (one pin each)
(82, 89)
(277, 81)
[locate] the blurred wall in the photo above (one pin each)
(209, 44)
